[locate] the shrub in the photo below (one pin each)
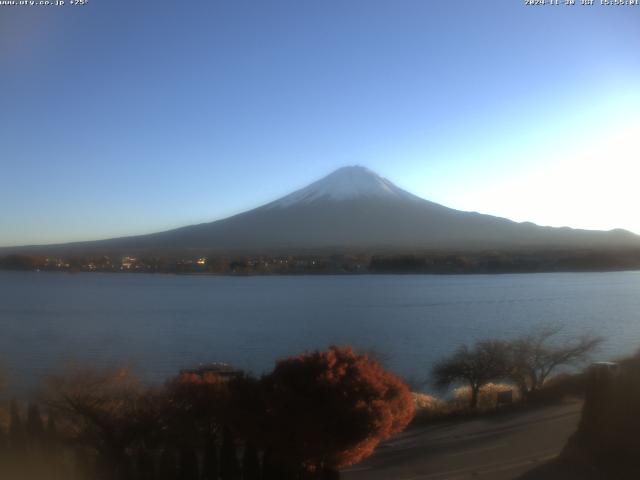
(331, 409)
(487, 396)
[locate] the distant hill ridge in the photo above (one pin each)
(351, 209)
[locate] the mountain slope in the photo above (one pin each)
(353, 209)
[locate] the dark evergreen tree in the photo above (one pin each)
(330, 474)
(309, 475)
(229, 468)
(144, 465)
(16, 428)
(35, 427)
(84, 467)
(269, 467)
(210, 459)
(274, 469)
(250, 463)
(124, 470)
(168, 468)
(105, 467)
(3, 441)
(188, 464)
(51, 434)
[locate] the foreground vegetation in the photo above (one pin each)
(312, 415)
(309, 417)
(527, 361)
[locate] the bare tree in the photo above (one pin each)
(535, 356)
(100, 410)
(486, 361)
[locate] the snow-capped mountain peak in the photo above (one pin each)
(344, 184)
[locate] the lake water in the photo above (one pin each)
(161, 323)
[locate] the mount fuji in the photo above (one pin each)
(352, 209)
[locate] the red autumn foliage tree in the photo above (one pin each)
(193, 405)
(331, 409)
(196, 396)
(209, 402)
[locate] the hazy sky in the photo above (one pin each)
(125, 117)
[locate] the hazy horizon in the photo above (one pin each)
(293, 191)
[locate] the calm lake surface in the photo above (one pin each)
(161, 323)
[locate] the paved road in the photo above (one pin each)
(497, 448)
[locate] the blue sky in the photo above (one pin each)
(125, 117)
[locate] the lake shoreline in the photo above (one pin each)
(330, 273)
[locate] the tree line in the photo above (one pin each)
(506, 261)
